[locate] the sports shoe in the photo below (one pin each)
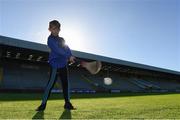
(69, 106)
(42, 107)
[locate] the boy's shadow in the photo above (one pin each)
(39, 115)
(66, 114)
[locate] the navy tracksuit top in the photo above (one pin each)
(59, 52)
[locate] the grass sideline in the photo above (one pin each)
(92, 106)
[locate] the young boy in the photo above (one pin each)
(58, 58)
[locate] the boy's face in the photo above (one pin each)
(54, 30)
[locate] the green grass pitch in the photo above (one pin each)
(92, 106)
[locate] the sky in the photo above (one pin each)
(140, 31)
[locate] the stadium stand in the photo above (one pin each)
(24, 66)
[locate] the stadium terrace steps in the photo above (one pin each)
(143, 84)
(151, 83)
(147, 84)
(95, 85)
(123, 84)
(165, 84)
(137, 83)
(76, 82)
(25, 78)
(118, 83)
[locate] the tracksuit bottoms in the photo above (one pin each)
(63, 74)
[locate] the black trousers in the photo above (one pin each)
(63, 74)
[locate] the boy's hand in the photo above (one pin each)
(72, 59)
